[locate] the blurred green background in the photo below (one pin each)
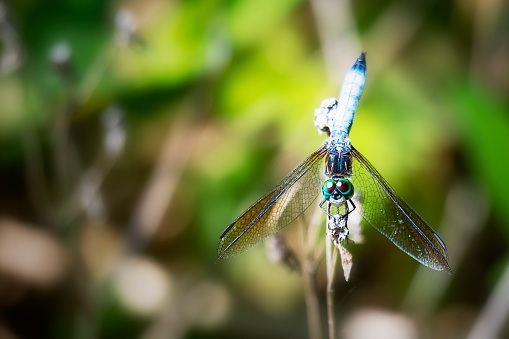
(133, 132)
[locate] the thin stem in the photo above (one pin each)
(312, 303)
(331, 256)
(495, 312)
(97, 71)
(160, 189)
(35, 176)
(309, 281)
(338, 36)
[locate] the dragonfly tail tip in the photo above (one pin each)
(360, 63)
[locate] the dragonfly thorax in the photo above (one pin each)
(338, 164)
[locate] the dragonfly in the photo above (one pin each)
(342, 174)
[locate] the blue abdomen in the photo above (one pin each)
(348, 100)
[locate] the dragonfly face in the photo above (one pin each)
(337, 188)
(337, 193)
(343, 175)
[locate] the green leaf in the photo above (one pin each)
(484, 125)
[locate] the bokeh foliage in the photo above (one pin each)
(132, 133)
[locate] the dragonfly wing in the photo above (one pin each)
(388, 213)
(276, 209)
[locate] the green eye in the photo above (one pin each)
(345, 187)
(328, 188)
(336, 189)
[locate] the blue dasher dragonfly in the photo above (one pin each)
(348, 176)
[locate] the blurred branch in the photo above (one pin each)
(397, 22)
(64, 152)
(162, 183)
(279, 252)
(5, 333)
(126, 25)
(96, 72)
(490, 54)
(493, 317)
(312, 302)
(331, 256)
(309, 268)
(199, 303)
(341, 42)
(36, 181)
(338, 35)
(85, 197)
(12, 54)
(67, 164)
(466, 213)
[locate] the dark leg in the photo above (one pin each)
(323, 209)
(353, 205)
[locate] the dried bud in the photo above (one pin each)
(279, 252)
(324, 115)
(60, 57)
(126, 26)
(114, 132)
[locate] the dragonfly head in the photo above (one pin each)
(337, 188)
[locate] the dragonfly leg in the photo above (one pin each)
(323, 209)
(329, 217)
(353, 205)
(347, 211)
(321, 206)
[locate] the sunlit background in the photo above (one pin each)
(133, 132)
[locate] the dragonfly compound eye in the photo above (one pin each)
(346, 188)
(328, 188)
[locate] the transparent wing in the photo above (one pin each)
(388, 213)
(276, 209)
